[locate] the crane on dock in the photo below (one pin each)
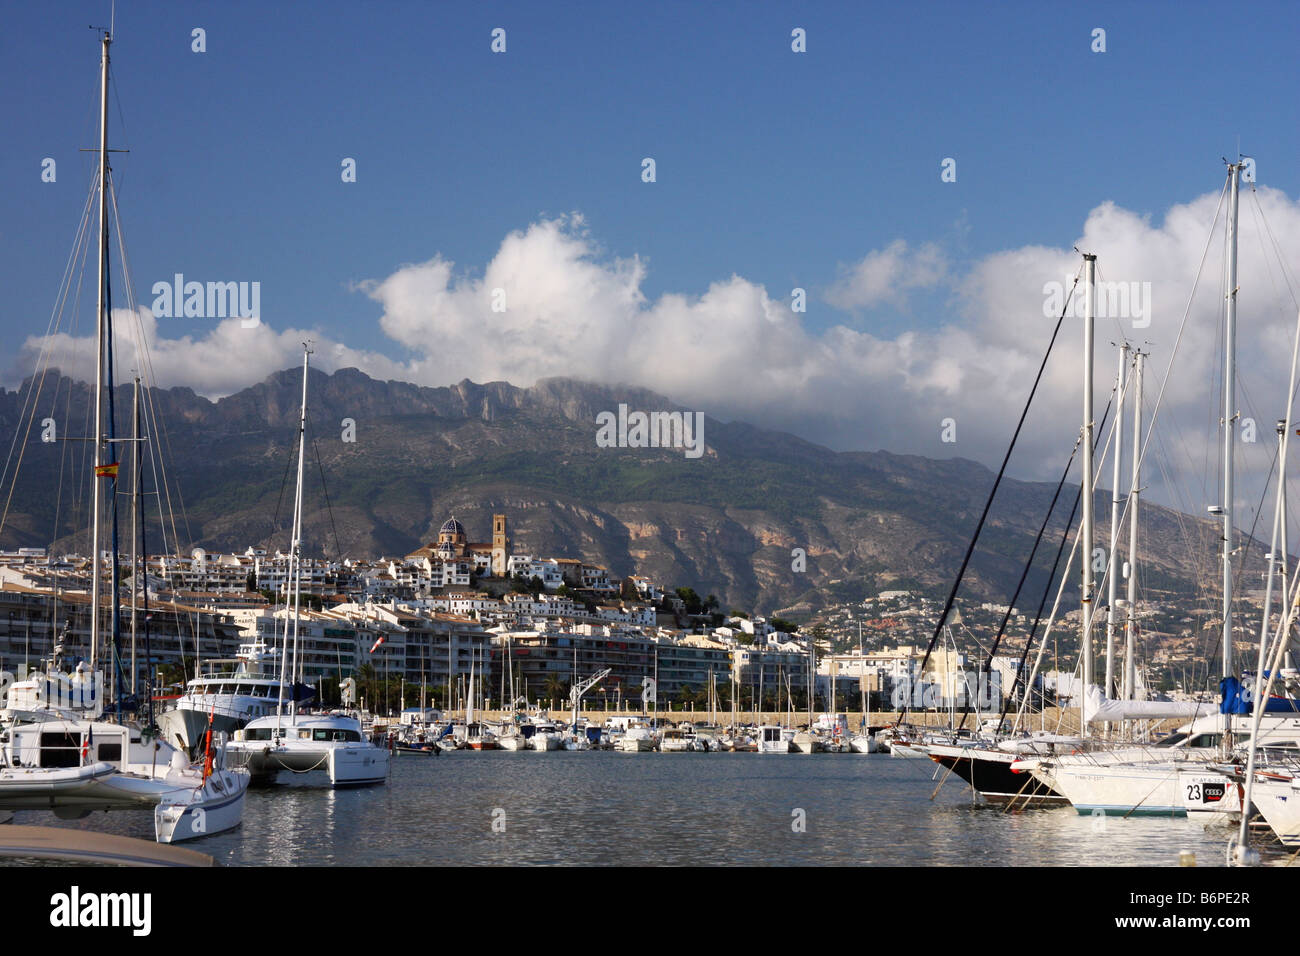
(580, 688)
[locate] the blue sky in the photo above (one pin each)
(783, 169)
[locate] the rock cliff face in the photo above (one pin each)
(727, 523)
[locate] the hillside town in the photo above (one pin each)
(529, 625)
(1175, 637)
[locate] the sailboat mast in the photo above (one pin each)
(1276, 560)
(1130, 638)
(135, 518)
(295, 554)
(100, 342)
(1086, 598)
(1112, 574)
(1229, 415)
(812, 670)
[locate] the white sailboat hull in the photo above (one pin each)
(907, 750)
(805, 743)
(1279, 803)
(214, 808)
(1149, 789)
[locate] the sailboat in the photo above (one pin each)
(65, 760)
(1138, 780)
(994, 768)
(289, 739)
(477, 736)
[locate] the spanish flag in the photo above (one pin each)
(106, 471)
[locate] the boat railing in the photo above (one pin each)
(219, 668)
(1133, 753)
(217, 707)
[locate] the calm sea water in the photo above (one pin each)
(609, 808)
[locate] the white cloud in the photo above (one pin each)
(228, 358)
(885, 276)
(734, 351)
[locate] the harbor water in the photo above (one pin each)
(606, 808)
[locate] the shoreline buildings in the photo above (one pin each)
(430, 617)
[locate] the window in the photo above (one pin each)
(109, 752)
(60, 750)
(326, 733)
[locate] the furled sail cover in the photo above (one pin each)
(1101, 710)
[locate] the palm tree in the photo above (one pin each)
(555, 689)
(368, 683)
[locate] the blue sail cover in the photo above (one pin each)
(1237, 699)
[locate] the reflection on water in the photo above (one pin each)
(605, 808)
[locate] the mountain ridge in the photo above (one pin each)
(728, 523)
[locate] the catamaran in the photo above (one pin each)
(291, 740)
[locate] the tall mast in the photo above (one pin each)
(1130, 638)
(1275, 559)
(1086, 597)
(1229, 416)
(101, 320)
(135, 517)
(654, 701)
(295, 554)
(1112, 575)
(292, 584)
